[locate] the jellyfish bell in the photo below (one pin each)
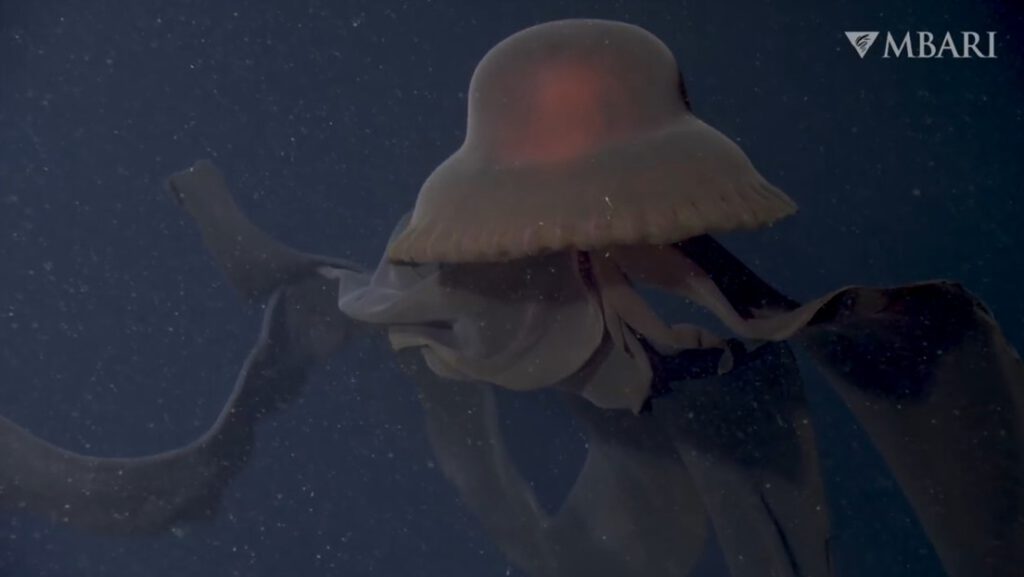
(580, 137)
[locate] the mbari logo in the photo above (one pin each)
(957, 45)
(862, 41)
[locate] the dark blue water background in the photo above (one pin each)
(119, 337)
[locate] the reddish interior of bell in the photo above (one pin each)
(565, 110)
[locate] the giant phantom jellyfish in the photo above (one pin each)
(584, 175)
(581, 144)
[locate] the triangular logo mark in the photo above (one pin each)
(861, 41)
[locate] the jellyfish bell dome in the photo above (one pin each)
(579, 136)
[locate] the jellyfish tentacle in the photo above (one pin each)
(254, 262)
(747, 292)
(620, 300)
(632, 511)
(302, 327)
(931, 378)
(150, 494)
(670, 269)
(926, 372)
(746, 439)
